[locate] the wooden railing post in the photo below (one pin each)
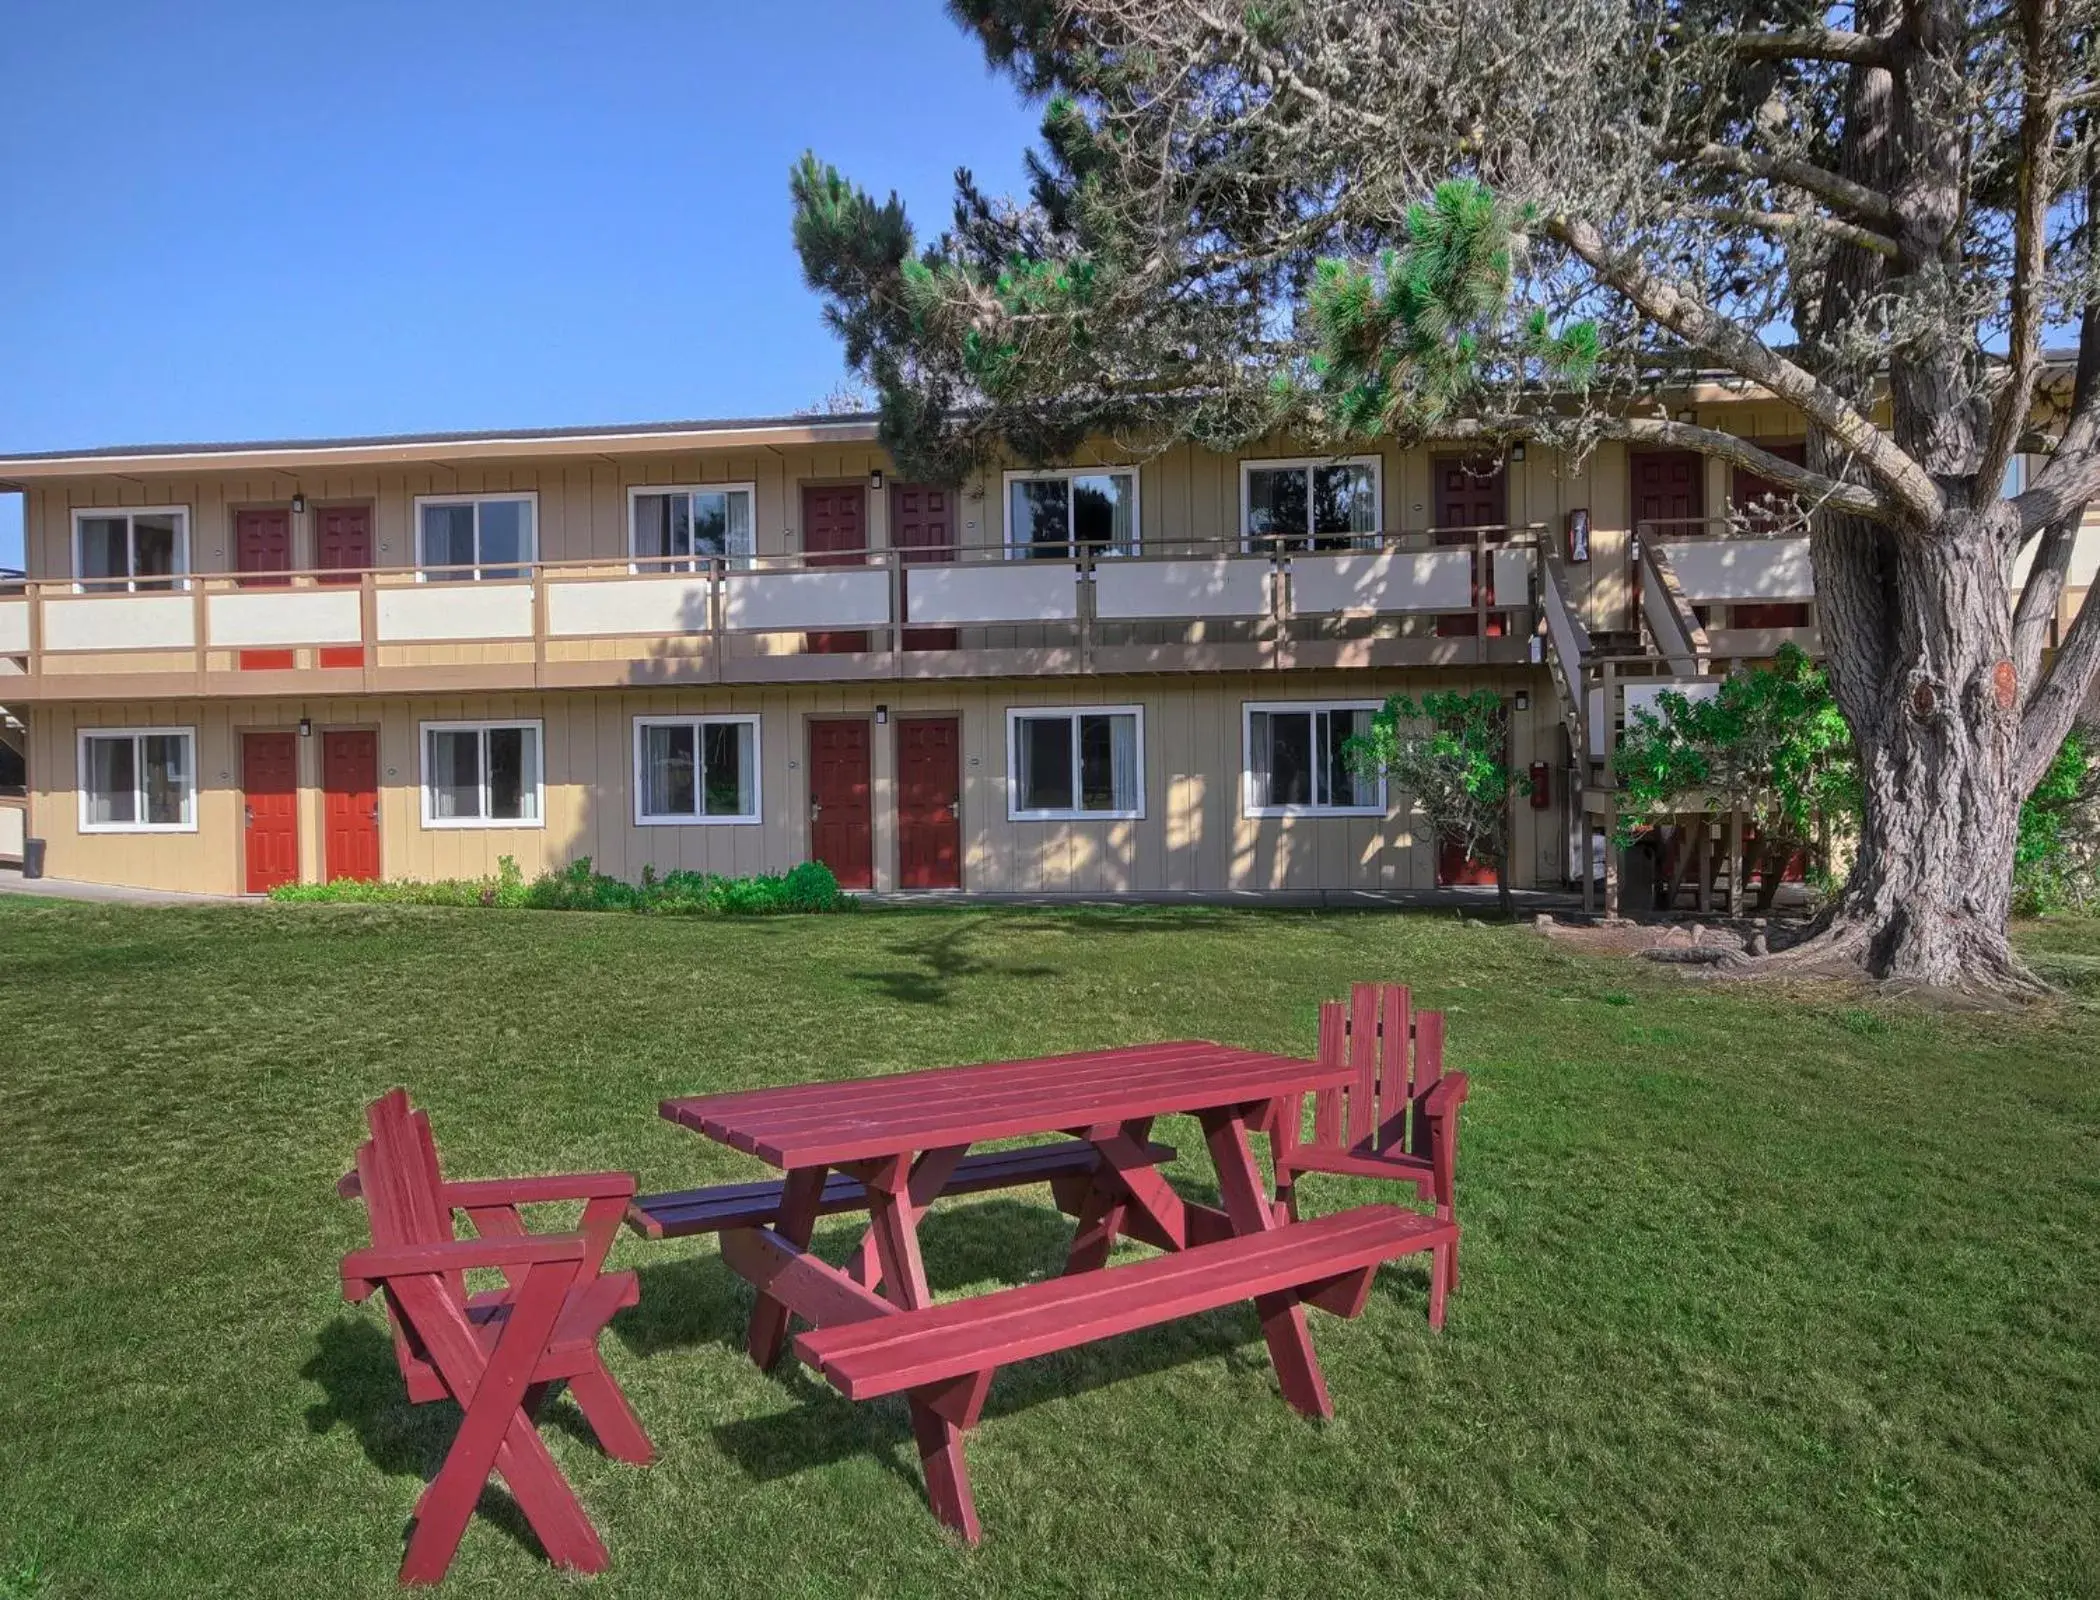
(717, 613)
(894, 559)
(368, 624)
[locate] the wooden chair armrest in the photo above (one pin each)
(530, 1191)
(1446, 1095)
(364, 1270)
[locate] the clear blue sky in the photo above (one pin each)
(248, 220)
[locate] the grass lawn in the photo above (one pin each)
(1763, 1293)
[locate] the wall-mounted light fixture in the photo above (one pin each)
(298, 505)
(1523, 700)
(882, 716)
(1516, 451)
(306, 727)
(875, 480)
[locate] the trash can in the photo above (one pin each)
(32, 858)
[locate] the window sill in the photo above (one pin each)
(481, 825)
(697, 822)
(138, 827)
(1075, 816)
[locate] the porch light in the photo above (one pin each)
(1516, 451)
(882, 716)
(306, 727)
(298, 505)
(875, 480)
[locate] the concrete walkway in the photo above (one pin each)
(12, 882)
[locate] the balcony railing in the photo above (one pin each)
(1192, 606)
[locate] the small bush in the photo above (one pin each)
(808, 888)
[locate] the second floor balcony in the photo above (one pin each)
(1458, 597)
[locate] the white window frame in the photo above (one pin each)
(1248, 805)
(676, 564)
(1014, 716)
(138, 778)
(129, 584)
(528, 560)
(1249, 466)
(696, 722)
(1020, 552)
(482, 725)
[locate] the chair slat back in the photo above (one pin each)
(1327, 1104)
(1429, 1071)
(1395, 1035)
(404, 1202)
(1393, 1055)
(1363, 1061)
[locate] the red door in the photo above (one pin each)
(262, 555)
(1668, 486)
(342, 551)
(922, 529)
(835, 534)
(270, 791)
(929, 803)
(350, 804)
(1470, 493)
(841, 800)
(1764, 504)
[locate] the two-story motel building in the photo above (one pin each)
(732, 646)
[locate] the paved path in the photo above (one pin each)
(12, 882)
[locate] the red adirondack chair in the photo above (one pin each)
(496, 1353)
(1390, 1121)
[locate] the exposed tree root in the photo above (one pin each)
(1967, 960)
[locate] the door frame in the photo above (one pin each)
(962, 784)
(378, 733)
(240, 736)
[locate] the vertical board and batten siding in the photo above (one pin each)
(1191, 837)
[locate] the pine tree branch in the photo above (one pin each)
(1820, 491)
(1909, 486)
(1865, 205)
(2055, 704)
(2036, 181)
(2038, 600)
(1812, 44)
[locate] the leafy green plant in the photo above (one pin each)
(2056, 863)
(1771, 741)
(809, 888)
(1449, 753)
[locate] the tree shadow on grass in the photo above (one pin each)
(361, 1386)
(941, 961)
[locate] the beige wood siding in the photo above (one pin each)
(1192, 836)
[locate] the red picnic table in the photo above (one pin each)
(894, 1144)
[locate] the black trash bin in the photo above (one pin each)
(32, 858)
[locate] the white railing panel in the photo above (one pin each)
(13, 829)
(836, 597)
(1394, 580)
(1646, 695)
(1672, 640)
(1710, 570)
(993, 592)
(1224, 587)
(327, 616)
(628, 606)
(1512, 575)
(455, 611)
(120, 622)
(14, 627)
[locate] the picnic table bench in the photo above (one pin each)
(903, 1141)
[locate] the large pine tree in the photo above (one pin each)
(1500, 219)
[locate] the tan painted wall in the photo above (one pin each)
(1192, 836)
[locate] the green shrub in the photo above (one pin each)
(809, 888)
(2056, 862)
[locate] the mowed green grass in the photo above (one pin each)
(1764, 1292)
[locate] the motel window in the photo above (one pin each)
(696, 769)
(482, 775)
(1050, 515)
(148, 548)
(138, 780)
(1319, 505)
(1295, 763)
(677, 530)
(476, 536)
(1084, 762)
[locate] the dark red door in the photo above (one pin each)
(342, 552)
(922, 529)
(842, 800)
(350, 804)
(270, 791)
(1470, 493)
(835, 534)
(1764, 505)
(1667, 486)
(929, 803)
(262, 555)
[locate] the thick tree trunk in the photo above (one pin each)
(1918, 625)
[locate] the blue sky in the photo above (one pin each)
(247, 220)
